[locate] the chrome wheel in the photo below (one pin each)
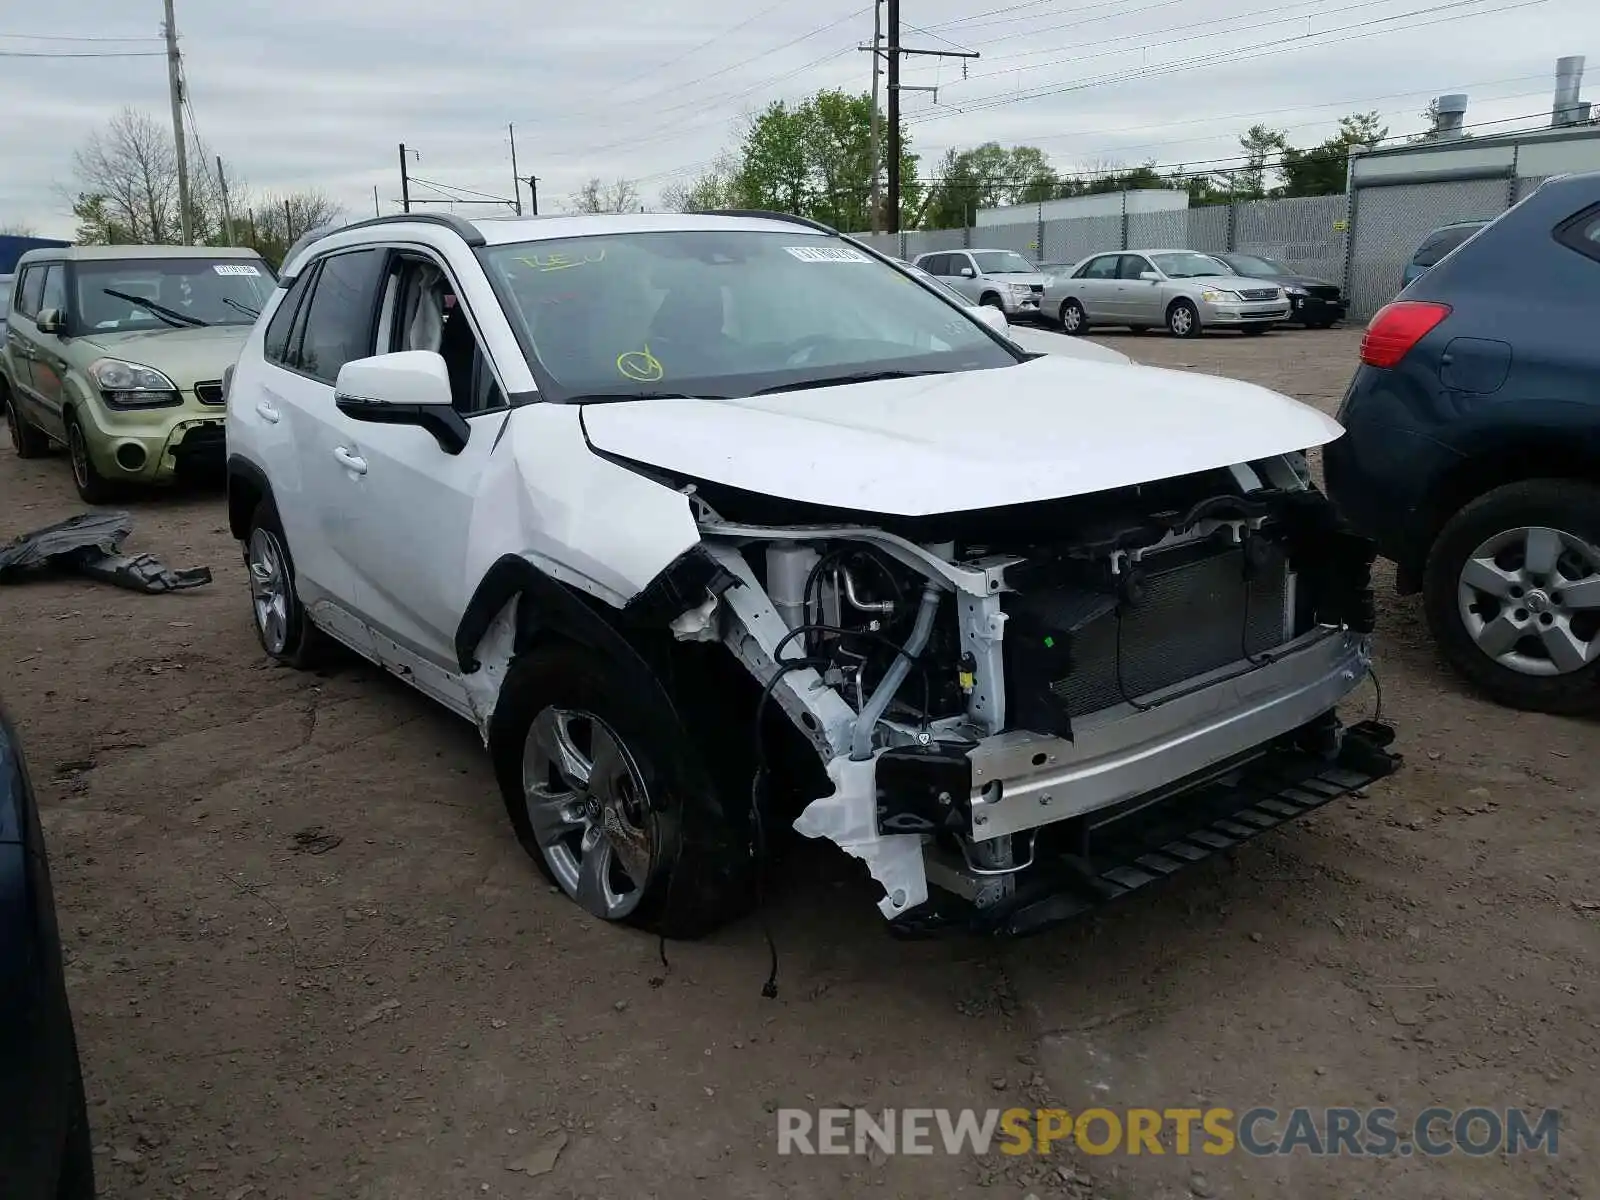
(1182, 320)
(1071, 318)
(77, 452)
(590, 811)
(269, 589)
(1530, 600)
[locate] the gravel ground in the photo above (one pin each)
(308, 959)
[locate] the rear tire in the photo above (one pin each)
(1073, 319)
(609, 799)
(1183, 319)
(76, 1180)
(1499, 565)
(27, 441)
(282, 625)
(93, 487)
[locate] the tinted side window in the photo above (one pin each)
(1582, 233)
(28, 294)
(1104, 267)
(275, 347)
(1132, 264)
(54, 292)
(340, 313)
(943, 264)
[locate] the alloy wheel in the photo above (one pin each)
(269, 589)
(77, 452)
(1530, 599)
(590, 811)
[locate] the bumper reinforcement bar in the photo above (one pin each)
(1136, 847)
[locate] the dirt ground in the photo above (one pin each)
(308, 958)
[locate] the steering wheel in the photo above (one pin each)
(804, 348)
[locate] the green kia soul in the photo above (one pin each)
(119, 353)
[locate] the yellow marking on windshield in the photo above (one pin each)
(556, 261)
(640, 366)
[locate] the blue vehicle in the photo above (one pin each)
(45, 1151)
(1435, 246)
(1472, 449)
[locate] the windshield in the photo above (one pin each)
(1441, 242)
(123, 295)
(1002, 262)
(1257, 267)
(724, 313)
(1186, 264)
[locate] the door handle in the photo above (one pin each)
(266, 412)
(351, 462)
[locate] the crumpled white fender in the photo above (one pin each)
(849, 819)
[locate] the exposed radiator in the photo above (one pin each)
(1198, 612)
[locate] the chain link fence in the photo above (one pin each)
(1392, 221)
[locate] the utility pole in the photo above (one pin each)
(175, 88)
(376, 211)
(288, 226)
(227, 209)
(894, 116)
(877, 136)
(516, 180)
(533, 195)
(405, 182)
(894, 52)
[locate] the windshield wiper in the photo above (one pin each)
(166, 314)
(252, 313)
(836, 380)
(607, 397)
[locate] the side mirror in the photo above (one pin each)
(968, 273)
(49, 320)
(993, 318)
(1150, 276)
(410, 387)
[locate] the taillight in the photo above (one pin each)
(1397, 328)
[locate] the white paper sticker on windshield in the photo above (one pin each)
(235, 269)
(827, 254)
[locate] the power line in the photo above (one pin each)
(1223, 58)
(83, 53)
(55, 37)
(451, 187)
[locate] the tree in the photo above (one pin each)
(598, 197)
(18, 229)
(813, 159)
(713, 189)
(270, 224)
(1259, 144)
(1323, 170)
(989, 176)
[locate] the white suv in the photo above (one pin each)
(718, 522)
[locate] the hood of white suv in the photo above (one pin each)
(1047, 428)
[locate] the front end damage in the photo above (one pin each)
(1026, 711)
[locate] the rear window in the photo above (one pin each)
(1582, 233)
(1441, 243)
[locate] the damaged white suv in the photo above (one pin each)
(718, 523)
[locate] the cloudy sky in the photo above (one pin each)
(317, 93)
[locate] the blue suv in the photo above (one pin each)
(1472, 449)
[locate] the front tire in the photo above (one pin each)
(76, 1180)
(1073, 319)
(282, 624)
(1512, 593)
(1183, 319)
(991, 300)
(93, 487)
(609, 800)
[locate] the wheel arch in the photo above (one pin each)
(1555, 455)
(247, 487)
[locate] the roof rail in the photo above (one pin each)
(465, 229)
(771, 216)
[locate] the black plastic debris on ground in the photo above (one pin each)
(90, 544)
